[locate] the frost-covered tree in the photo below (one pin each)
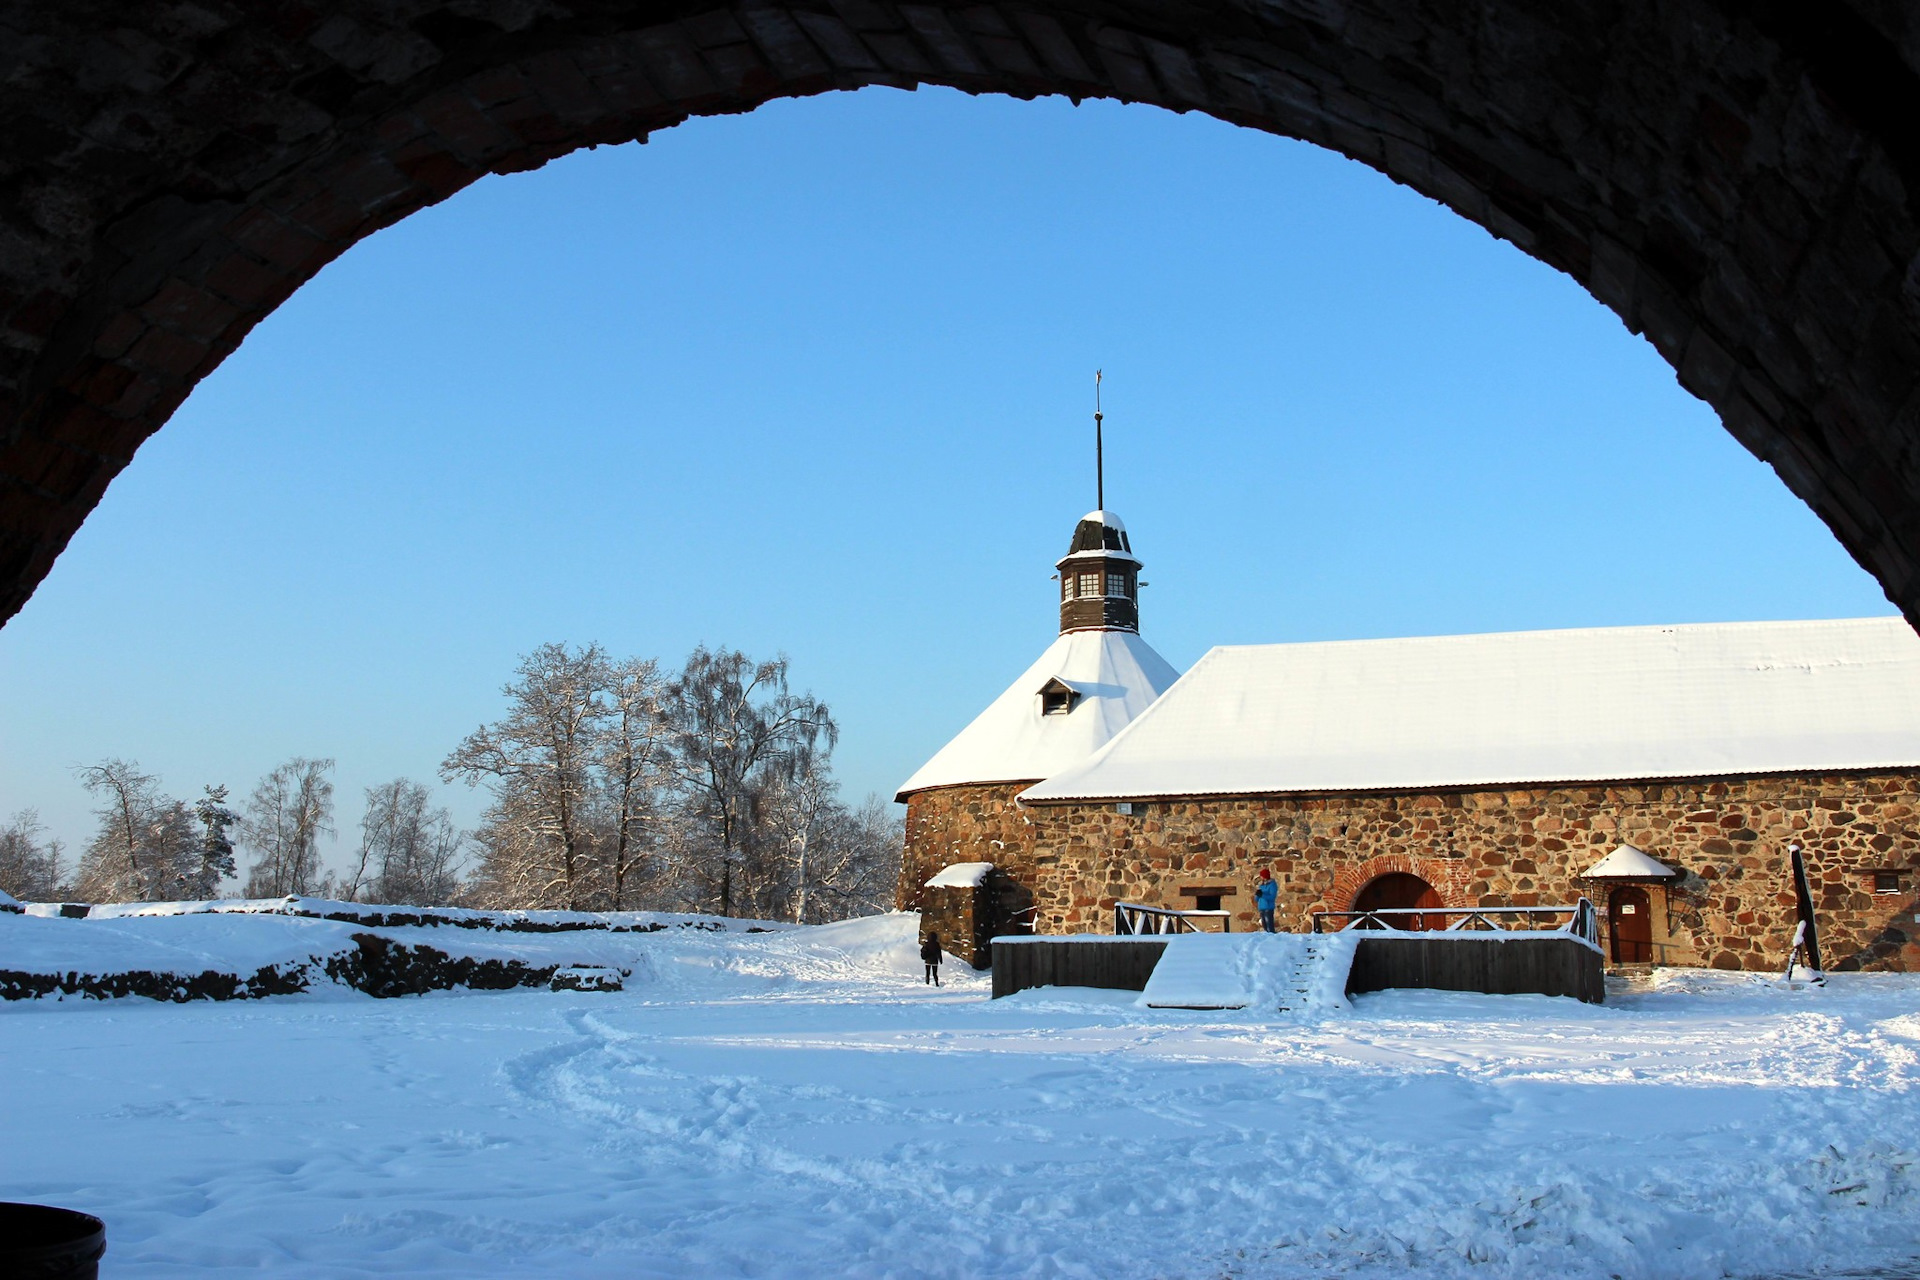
(216, 846)
(615, 787)
(838, 862)
(737, 728)
(30, 863)
(858, 863)
(113, 866)
(540, 840)
(173, 852)
(631, 760)
(146, 849)
(409, 848)
(289, 811)
(797, 807)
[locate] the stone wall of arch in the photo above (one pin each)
(1740, 183)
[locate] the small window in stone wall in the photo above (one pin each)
(1886, 882)
(1206, 902)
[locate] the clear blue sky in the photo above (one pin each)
(818, 380)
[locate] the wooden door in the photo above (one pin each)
(1630, 924)
(1398, 889)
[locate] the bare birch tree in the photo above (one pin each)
(538, 839)
(839, 862)
(409, 848)
(735, 726)
(29, 861)
(799, 807)
(858, 861)
(631, 757)
(614, 788)
(289, 811)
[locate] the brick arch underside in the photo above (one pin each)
(1735, 182)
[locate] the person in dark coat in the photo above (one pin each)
(930, 952)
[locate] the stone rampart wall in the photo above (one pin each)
(1731, 908)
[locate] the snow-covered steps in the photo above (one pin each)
(1266, 972)
(1201, 971)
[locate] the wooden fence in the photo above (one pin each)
(1121, 964)
(1546, 962)
(1540, 964)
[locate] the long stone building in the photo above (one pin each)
(1661, 772)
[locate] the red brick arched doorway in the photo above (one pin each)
(1398, 891)
(1739, 183)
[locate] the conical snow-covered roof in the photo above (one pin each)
(1627, 863)
(1112, 675)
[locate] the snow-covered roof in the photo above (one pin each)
(961, 875)
(1599, 704)
(1116, 674)
(1099, 535)
(1627, 863)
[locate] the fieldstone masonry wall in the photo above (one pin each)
(963, 824)
(1732, 908)
(1738, 182)
(968, 919)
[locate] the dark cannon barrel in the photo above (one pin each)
(40, 1242)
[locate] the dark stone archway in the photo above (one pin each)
(1738, 181)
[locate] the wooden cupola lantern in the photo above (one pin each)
(1099, 575)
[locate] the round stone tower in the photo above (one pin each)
(963, 808)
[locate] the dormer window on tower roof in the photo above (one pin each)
(1057, 697)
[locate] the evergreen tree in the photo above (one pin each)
(216, 846)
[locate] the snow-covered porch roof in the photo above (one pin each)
(1628, 863)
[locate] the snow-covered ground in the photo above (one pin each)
(798, 1104)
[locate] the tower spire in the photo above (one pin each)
(1099, 452)
(1099, 575)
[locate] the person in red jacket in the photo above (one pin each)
(930, 952)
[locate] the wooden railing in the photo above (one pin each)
(1131, 918)
(1582, 920)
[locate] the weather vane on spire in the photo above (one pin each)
(1099, 459)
